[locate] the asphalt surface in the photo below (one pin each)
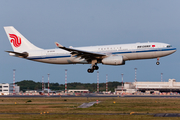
(95, 95)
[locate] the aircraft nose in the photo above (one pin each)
(174, 50)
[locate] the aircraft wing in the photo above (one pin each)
(81, 53)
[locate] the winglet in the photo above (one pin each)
(58, 45)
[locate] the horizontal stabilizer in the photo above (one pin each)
(24, 54)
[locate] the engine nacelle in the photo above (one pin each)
(113, 60)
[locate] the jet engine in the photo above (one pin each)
(113, 60)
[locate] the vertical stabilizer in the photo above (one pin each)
(18, 41)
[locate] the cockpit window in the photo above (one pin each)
(168, 46)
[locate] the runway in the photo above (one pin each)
(95, 95)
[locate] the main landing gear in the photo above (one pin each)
(157, 63)
(94, 67)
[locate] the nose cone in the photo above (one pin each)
(169, 51)
(173, 50)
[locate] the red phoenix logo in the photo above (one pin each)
(15, 40)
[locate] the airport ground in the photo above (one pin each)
(65, 108)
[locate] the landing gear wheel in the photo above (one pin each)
(157, 63)
(95, 67)
(90, 70)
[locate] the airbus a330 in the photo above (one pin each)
(105, 54)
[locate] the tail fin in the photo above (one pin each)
(19, 42)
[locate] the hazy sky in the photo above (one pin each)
(88, 23)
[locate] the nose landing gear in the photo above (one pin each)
(157, 63)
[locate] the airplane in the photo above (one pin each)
(106, 54)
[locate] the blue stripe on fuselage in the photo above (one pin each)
(41, 57)
(123, 52)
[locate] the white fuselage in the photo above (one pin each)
(135, 51)
(106, 54)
